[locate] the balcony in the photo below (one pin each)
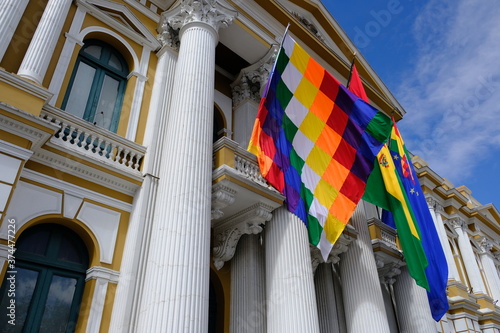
(242, 200)
(92, 153)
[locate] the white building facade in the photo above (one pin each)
(127, 190)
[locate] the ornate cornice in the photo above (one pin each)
(228, 232)
(250, 81)
(209, 12)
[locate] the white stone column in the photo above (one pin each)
(248, 311)
(412, 306)
(490, 270)
(326, 298)
(175, 295)
(72, 39)
(363, 299)
(468, 257)
(129, 288)
(337, 285)
(11, 12)
(42, 45)
(103, 277)
(291, 299)
(436, 209)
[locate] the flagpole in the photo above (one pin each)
(264, 93)
(350, 70)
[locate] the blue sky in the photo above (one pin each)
(441, 60)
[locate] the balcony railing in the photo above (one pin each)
(230, 153)
(93, 142)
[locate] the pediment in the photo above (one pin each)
(120, 17)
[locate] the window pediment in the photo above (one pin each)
(122, 19)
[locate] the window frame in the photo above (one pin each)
(47, 266)
(102, 69)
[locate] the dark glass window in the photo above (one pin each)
(97, 85)
(51, 261)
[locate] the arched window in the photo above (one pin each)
(97, 85)
(51, 261)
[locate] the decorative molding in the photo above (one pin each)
(485, 244)
(63, 164)
(388, 267)
(25, 85)
(130, 26)
(222, 196)
(251, 80)
(23, 129)
(139, 76)
(431, 202)
(309, 26)
(340, 246)
(143, 10)
(209, 12)
(457, 222)
(228, 232)
(75, 190)
(103, 273)
(16, 151)
(168, 36)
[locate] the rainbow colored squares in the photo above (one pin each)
(316, 143)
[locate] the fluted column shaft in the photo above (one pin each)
(491, 273)
(412, 306)
(325, 296)
(435, 210)
(42, 45)
(11, 12)
(175, 295)
(291, 300)
(468, 258)
(129, 287)
(363, 299)
(248, 311)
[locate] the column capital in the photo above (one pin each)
(209, 12)
(168, 36)
(431, 202)
(457, 222)
(228, 232)
(252, 79)
(485, 245)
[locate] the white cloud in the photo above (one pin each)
(452, 94)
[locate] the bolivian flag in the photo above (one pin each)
(394, 186)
